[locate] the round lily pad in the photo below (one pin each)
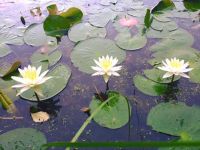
(125, 41)
(35, 35)
(84, 31)
(61, 74)
(114, 114)
(176, 40)
(54, 57)
(149, 87)
(160, 26)
(157, 75)
(195, 73)
(22, 139)
(101, 19)
(4, 50)
(85, 52)
(175, 119)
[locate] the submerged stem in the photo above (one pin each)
(172, 78)
(87, 121)
(107, 86)
(37, 97)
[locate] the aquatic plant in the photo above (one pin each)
(175, 67)
(128, 22)
(106, 66)
(32, 78)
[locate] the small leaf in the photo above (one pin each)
(148, 19)
(163, 5)
(40, 116)
(52, 9)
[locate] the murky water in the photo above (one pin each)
(67, 117)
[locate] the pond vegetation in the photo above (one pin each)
(108, 70)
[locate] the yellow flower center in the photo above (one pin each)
(30, 74)
(106, 64)
(175, 64)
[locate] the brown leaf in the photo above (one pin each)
(85, 109)
(40, 116)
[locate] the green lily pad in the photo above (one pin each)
(160, 26)
(157, 75)
(4, 50)
(114, 114)
(149, 87)
(186, 53)
(35, 35)
(8, 68)
(85, 31)
(175, 119)
(176, 40)
(195, 73)
(61, 74)
(58, 25)
(101, 19)
(125, 41)
(52, 58)
(85, 52)
(22, 139)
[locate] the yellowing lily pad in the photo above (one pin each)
(114, 114)
(85, 52)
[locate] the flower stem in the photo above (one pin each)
(172, 78)
(88, 120)
(107, 86)
(37, 97)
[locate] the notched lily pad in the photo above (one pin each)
(149, 87)
(114, 114)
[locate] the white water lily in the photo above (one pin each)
(31, 78)
(175, 67)
(106, 66)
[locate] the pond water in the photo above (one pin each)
(65, 108)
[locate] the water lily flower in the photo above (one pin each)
(175, 67)
(31, 78)
(128, 22)
(106, 66)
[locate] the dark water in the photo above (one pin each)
(66, 115)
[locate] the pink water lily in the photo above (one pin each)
(128, 22)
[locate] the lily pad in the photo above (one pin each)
(114, 114)
(85, 52)
(149, 87)
(61, 74)
(22, 139)
(52, 58)
(101, 19)
(157, 75)
(125, 41)
(84, 31)
(8, 68)
(4, 50)
(195, 73)
(35, 35)
(160, 26)
(175, 119)
(192, 5)
(176, 40)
